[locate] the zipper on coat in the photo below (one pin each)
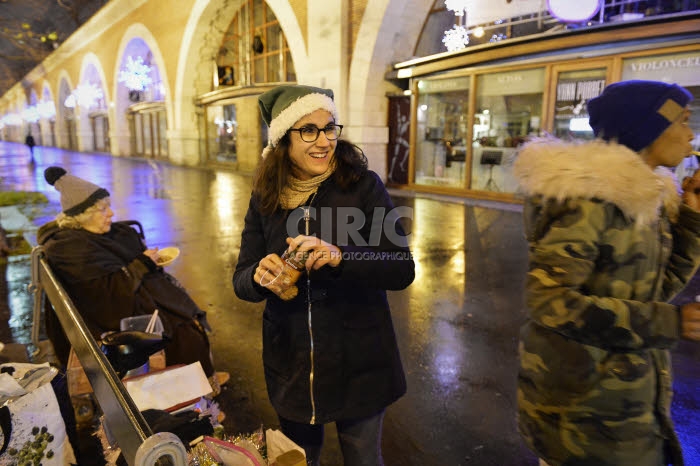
(307, 217)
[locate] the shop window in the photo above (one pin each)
(442, 130)
(148, 134)
(223, 126)
(138, 134)
(508, 109)
(574, 89)
(100, 132)
(162, 135)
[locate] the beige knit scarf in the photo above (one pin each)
(296, 191)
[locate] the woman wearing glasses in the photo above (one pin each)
(329, 350)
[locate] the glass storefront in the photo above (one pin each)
(442, 131)
(470, 112)
(223, 133)
(100, 132)
(147, 127)
(508, 109)
(574, 89)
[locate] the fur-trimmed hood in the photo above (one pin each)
(596, 170)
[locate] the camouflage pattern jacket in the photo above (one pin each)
(609, 245)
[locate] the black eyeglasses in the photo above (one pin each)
(310, 133)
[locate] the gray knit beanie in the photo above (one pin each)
(77, 195)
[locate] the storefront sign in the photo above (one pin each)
(443, 85)
(682, 68)
(512, 83)
(579, 90)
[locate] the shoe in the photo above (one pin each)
(222, 377)
(216, 381)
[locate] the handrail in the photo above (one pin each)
(127, 425)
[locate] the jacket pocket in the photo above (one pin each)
(363, 346)
(627, 388)
(277, 349)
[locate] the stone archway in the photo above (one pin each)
(202, 38)
(137, 41)
(65, 129)
(47, 113)
(376, 48)
(92, 77)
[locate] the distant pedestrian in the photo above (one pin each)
(329, 349)
(29, 141)
(611, 242)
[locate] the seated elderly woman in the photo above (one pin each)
(110, 274)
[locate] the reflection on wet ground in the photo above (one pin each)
(457, 325)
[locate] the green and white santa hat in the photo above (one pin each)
(283, 106)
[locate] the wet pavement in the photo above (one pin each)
(457, 324)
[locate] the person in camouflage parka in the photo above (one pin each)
(610, 243)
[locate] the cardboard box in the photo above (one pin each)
(78, 383)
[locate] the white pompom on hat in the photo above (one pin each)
(283, 106)
(77, 195)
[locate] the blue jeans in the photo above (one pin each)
(360, 440)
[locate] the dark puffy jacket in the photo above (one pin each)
(108, 277)
(357, 370)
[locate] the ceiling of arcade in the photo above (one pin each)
(31, 29)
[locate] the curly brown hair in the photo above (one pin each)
(274, 171)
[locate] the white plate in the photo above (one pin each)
(166, 256)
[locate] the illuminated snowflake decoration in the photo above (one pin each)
(87, 95)
(46, 109)
(136, 76)
(458, 6)
(30, 114)
(456, 38)
(11, 119)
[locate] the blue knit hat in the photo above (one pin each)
(635, 113)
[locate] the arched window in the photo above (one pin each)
(254, 49)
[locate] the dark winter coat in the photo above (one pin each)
(357, 370)
(108, 278)
(610, 245)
